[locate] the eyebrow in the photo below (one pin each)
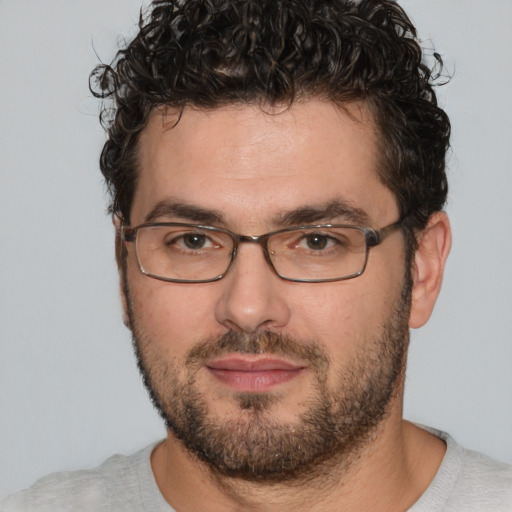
(332, 211)
(184, 211)
(335, 210)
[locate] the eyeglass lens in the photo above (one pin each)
(189, 253)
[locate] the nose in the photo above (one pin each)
(253, 297)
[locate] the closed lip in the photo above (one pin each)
(247, 364)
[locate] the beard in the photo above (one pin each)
(254, 445)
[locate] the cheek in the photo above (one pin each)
(170, 314)
(346, 315)
(332, 314)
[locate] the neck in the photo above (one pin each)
(388, 473)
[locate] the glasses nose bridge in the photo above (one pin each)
(261, 240)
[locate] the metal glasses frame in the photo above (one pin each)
(373, 237)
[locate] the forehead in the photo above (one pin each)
(252, 164)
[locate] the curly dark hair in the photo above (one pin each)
(208, 53)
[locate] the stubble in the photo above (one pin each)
(338, 422)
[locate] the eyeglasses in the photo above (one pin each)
(191, 253)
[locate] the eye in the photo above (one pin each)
(195, 241)
(190, 241)
(317, 242)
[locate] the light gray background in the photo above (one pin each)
(70, 394)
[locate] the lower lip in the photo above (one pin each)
(254, 381)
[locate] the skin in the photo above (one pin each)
(251, 167)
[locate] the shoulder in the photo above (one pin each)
(115, 485)
(469, 481)
(488, 479)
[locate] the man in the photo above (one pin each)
(277, 171)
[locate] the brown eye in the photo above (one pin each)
(194, 241)
(317, 242)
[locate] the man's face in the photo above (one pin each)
(258, 376)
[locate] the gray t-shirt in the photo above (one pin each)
(466, 481)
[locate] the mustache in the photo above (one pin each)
(265, 342)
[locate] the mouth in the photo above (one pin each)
(253, 374)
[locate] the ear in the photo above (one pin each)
(121, 267)
(434, 244)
